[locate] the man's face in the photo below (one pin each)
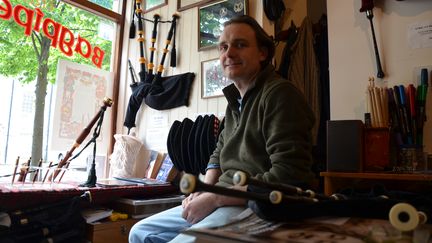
(240, 56)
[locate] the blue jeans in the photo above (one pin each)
(167, 225)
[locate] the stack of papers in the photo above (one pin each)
(92, 215)
(145, 181)
(118, 181)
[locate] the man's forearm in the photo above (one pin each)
(212, 176)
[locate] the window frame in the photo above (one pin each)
(119, 19)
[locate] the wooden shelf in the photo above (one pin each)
(333, 181)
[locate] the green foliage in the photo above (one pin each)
(211, 21)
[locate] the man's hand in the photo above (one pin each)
(197, 207)
(189, 198)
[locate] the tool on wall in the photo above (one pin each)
(367, 6)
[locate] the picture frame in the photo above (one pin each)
(188, 4)
(211, 18)
(150, 5)
(212, 79)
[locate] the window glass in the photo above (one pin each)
(109, 4)
(29, 58)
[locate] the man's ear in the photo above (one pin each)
(264, 53)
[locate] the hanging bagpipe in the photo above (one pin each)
(282, 202)
(156, 91)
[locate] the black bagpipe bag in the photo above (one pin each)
(160, 93)
(374, 204)
(170, 92)
(56, 222)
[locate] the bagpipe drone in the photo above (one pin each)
(285, 203)
(157, 92)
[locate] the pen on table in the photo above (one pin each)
(421, 104)
(369, 110)
(394, 113)
(399, 112)
(403, 105)
(412, 111)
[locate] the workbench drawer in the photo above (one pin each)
(107, 231)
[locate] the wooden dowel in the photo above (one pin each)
(48, 170)
(15, 169)
(377, 102)
(37, 171)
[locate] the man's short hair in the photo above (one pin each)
(263, 39)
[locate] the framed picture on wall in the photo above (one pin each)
(150, 5)
(212, 79)
(187, 4)
(211, 18)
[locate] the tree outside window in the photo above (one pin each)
(31, 61)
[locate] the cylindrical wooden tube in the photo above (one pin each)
(241, 178)
(15, 169)
(277, 197)
(24, 170)
(48, 170)
(189, 184)
(152, 48)
(37, 171)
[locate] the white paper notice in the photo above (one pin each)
(158, 119)
(420, 35)
(157, 130)
(156, 139)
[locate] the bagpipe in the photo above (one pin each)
(156, 91)
(65, 161)
(56, 222)
(286, 203)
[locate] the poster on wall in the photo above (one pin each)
(420, 35)
(80, 90)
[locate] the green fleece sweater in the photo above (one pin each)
(270, 139)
